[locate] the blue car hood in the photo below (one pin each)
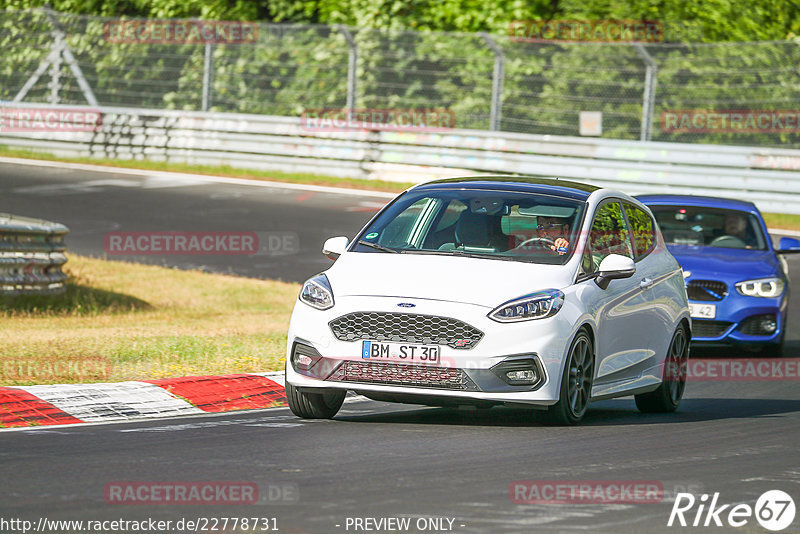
(731, 265)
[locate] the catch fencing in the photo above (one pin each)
(498, 82)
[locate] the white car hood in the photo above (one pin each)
(484, 282)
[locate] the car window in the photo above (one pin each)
(642, 228)
(509, 225)
(709, 227)
(608, 235)
(401, 230)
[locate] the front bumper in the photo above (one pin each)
(734, 313)
(463, 375)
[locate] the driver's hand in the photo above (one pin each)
(562, 244)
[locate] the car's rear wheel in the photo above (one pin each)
(314, 405)
(576, 383)
(669, 394)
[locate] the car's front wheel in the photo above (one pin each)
(668, 395)
(314, 405)
(576, 383)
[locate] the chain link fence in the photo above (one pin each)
(488, 82)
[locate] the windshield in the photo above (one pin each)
(502, 225)
(709, 227)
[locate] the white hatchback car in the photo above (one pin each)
(495, 290)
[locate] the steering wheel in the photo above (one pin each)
(729, 241)
(544, 242)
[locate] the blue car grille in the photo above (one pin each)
(706, 290)
(703, 328)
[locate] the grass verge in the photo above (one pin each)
(217, 170)
(122, 321)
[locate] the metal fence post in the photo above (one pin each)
(649, 97)
(352, 61)
(208, 76)
(498, 73)
(53, 60)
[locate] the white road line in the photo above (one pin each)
(176, 177)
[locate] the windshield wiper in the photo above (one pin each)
(377, 246)
(457, 252)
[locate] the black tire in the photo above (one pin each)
(668, 396)
(314, 405)
(576, 383)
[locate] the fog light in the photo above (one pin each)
(304, 357)
(528, 375)
(760, 325)
(520, 371)
(768, 326)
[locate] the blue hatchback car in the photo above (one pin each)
(738, 285)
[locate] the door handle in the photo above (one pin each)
(646, 283)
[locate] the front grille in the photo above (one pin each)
(707, 290)
(405, 328)
(702, 328)
(403, 375)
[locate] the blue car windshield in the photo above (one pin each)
(503, 225)
(709, 227)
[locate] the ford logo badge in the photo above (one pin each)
(407, 305)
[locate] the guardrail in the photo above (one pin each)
(31, 256)
(767, 176)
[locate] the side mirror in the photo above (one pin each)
(614, 267)
(335, 247)
(788, 245)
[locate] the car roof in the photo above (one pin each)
(528, 184)
(697, 200)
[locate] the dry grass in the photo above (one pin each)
(122, 321)
(783, 221)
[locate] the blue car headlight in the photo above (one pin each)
(317, 292)
(764, 287)
(534, 306)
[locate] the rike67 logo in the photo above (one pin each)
(774, 510)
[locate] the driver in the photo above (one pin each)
(554, 229)
(736, 226)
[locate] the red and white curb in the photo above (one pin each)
(23, 406)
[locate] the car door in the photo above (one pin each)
(623, 310)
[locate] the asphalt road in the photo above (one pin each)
(377, 460)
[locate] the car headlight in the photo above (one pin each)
(317, 292)
(765, 287)
(534, 306)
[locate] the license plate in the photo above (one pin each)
(399, 352)
(703, 311)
